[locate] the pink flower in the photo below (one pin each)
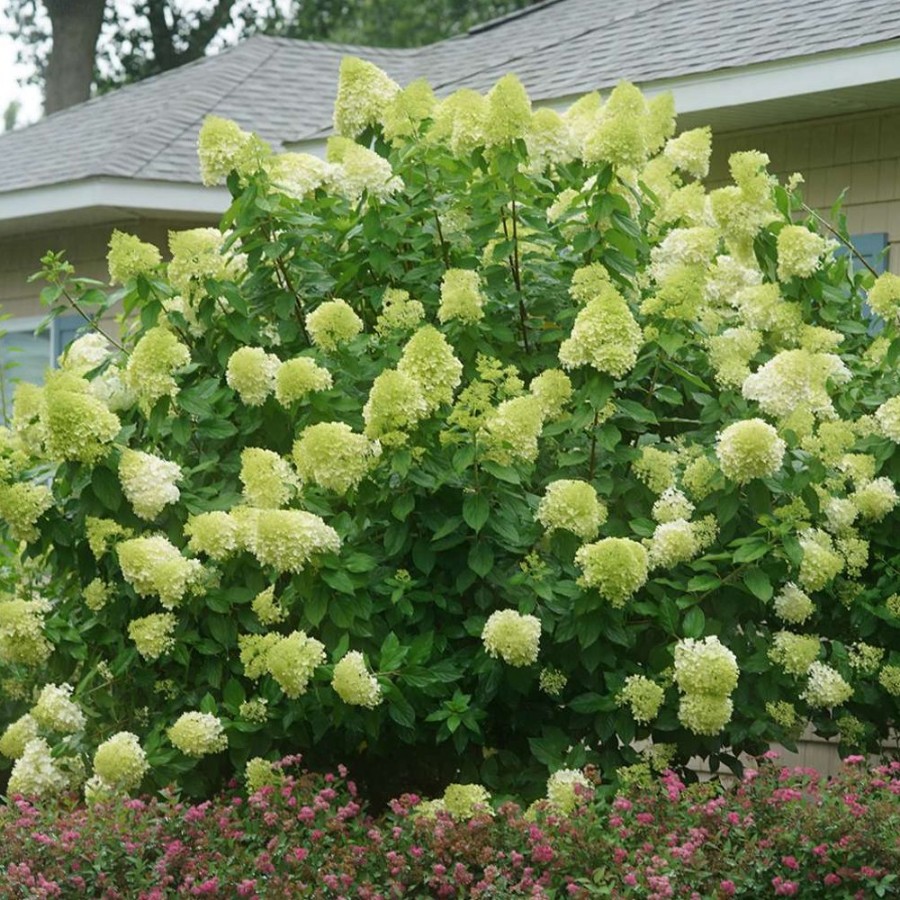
(790, 862)
(784, 888)
(832, 879)
(727, 887)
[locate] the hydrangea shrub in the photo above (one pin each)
(488, 445)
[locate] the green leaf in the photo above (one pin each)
(591, 703)
(694, 623)
(481, 558)
(476, 510)
(753, 549)
(391, 654)
(705, 582)
(233, 694)
(637, 411)
(403, 506)
(340, 581)
(503, 473)
(400, 709)
(105, 485)
(759, 584)
(394, 538)
(550, 749)
(314, 609)
(668, 615)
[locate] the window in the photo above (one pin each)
(25, 356)
(871, 247)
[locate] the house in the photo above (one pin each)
(815, 85)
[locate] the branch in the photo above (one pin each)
(91, 321)
(514, 267)
(207, 28)
(164, 52)
(822, 221)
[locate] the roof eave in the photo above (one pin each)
(708, 92)
(117, 196)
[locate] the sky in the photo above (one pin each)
(10, 72)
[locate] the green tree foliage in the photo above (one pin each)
(69, 46)
(490, 445)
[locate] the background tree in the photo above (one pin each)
(76, 46)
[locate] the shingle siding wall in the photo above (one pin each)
(860, 153)
(85, 247)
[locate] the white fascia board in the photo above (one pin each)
(871, 64)
(120, 193)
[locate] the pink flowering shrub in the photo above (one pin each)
(778, 832)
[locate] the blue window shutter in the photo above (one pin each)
(871, 247)
(65, 330)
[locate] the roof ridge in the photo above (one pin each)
(132, 85)
(648, 6)
(334, 45)
(193, 121)
(507, 17)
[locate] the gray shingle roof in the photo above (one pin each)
(284, 89)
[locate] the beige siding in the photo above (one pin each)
(860, 153)
(85, 247)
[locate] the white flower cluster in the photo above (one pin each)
(148, 482)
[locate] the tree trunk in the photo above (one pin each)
(70, 68)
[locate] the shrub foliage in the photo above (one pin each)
(489, 445)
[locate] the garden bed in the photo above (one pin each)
(778, 832)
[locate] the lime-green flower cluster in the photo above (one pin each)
(465, 801)
(35, 772)
(261, 773)
(750, 449)
(153, 566)
(296, 378)
(572, 506)
(616, 567)
(152, 365)
(567, 790)
(461, 297)
(332, 456)
(223, 147)
(56, 711)
(292, 660)
(153, 635)
(17, 735)
(706, 673)
(795, 653)
(605, 336)
(252, 372)
(793, 605)
(644, 696)
(198, 734)
(353, 683)
(799, 252)
(269, 482)
(148, 482)
(825, 687)
(512, 637)
(120, 762)
(129, 257)
(22, 640)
